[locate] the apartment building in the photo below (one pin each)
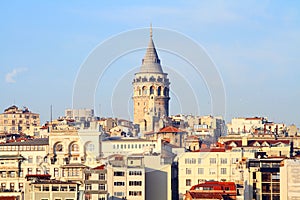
(126, 177)
(16, 120)
(263, 178)
(127, 146)
(290, 178)
(41, 187)
(95, 183)
(218, 164)
(212, 190)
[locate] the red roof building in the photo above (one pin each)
(212, 190)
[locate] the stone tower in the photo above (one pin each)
(150, 92)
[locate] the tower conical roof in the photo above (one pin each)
(151, 62)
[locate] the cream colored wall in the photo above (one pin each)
(232, 171)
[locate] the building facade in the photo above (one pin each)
(15, 120)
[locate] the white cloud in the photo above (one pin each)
(10, 77)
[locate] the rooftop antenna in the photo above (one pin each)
(51, 113)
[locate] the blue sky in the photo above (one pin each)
(254, 44)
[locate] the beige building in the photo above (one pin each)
(216, 164)
(46, 189)
(18, 159)
(83, 114)
(95, 183)
(289, 179)
(150, 92)
(15, 120)
(126, 177)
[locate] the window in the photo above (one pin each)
(56, 173)
(38, 171)
(135, 193)
(12, 187)
(212, 160)
(118, 173)
(223, 171)
(135, 183)
(20, 186)
(159, 91)
(88, 187)
(101, 187)
(12, 174)
(188, 171)
(119, 183)
(151, 90)
(3, 186)
(188, 182)
(72, 188)
(234, 160)
(101, 177)
(39, 159)
(3, 174)
(212, 171)
(55, 188)
(199, 160)
(30, 159)
(223, 160)
(29, 171)
(75, 147)
(59, 148)
(135, 173)
(119, 194)
(200, 170)
(190, 161)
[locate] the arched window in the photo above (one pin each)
(159, 91)
(151, 90)
(145, 127)
(74, 147)
(58, 147)
(152, 79)
(166, 92)
(144, 89)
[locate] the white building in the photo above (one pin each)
(127, 146)
(83, 114)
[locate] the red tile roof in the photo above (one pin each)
(197, 195)
(101, 167)
(215, 184)
(169, 129)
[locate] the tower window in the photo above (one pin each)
(166, 92)
(152, 90)
(159, 91)
(144, 90)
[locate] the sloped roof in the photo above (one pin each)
(151, 62)
(101, 167)
(169, 129)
